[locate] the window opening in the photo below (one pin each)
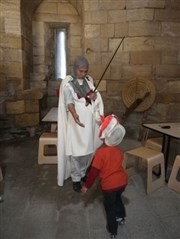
(61, 53)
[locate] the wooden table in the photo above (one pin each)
(52, 117)
(169, 130)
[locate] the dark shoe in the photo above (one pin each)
(83, 179)
(113, 236)
(77, 186)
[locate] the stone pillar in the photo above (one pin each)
(10, 47)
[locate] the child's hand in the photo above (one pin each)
(84, 189)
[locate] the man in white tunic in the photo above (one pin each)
(78, 124)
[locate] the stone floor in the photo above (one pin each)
(34, 207)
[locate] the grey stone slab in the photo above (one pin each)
(44, 194)
(17, 194)
(12, 210)
(73, 220)
(40, 221)
(96, 217)
(35, 207)
(137, 186)
(141, 221)
(165, 202)
(171, 225)
(10, 228)
(142, 224)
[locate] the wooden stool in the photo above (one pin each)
(153, 158)
(154, 143)
(173, 183)
(47, 139)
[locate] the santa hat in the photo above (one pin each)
(111, 130)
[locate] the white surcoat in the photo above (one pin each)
(73, 139)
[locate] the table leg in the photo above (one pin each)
(164, 144)
(165, 150)
(53, 127)
(167, 154)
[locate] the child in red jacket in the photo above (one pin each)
(107, 165)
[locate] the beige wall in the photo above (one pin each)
(10, 47)
(26, 32)
(15, 66)
(50, 15)
(151, 49)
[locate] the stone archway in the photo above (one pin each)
(30, 6)
(48, 17)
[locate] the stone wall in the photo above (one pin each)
(27, 45)
(24, 110)
(18, 106)
(150, 50)
(50, 15)
(10, 48)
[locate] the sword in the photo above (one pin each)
(88, 101)
(134, 105)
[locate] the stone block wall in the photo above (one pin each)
(24, 111)
(27, 46)
(150, 50)
(49, 16)
(16, 109)
(10, 48)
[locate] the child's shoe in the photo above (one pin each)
(120, 220)
(113, 236)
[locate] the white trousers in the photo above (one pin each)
(79, 166)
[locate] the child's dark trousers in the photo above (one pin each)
(114, 208)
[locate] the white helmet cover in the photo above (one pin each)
(111, 131)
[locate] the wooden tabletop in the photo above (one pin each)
(170, 129)
(51, 116)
